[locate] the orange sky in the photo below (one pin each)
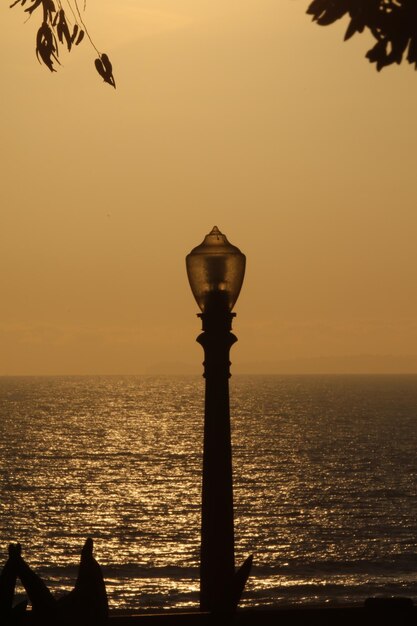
(253, 119)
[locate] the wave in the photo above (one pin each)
(399, 564)
(126, 570)
(394, 565)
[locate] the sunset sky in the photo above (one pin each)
(244, 115)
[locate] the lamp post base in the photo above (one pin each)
(220, 586)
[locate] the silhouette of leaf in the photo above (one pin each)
(356, 25)
(63, 30)
(100, 68)
(327, 11)
(104, 68)
(106, 62)
(331, 15)
(412, 51)
(74, 33)
(46, 47)
(377, 54)
(34, 6)
(399, 46)
(80, 37)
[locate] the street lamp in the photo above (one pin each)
(215, 271)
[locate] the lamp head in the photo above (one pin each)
(215, 271)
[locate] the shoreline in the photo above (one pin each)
(388, 611)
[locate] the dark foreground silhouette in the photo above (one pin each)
(57, 30)
(392, 23)
(85, 604)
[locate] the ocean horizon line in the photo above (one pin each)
(198, 375)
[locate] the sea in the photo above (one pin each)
(325, 485)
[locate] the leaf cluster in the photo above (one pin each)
(57, 29)
(393, 23)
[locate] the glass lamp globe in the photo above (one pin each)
(215, 271)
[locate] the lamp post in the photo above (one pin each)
(215, 271)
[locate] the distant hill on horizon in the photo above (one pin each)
(349, 364)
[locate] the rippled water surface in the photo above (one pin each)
(325, 472)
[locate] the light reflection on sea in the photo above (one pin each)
(325, 484)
